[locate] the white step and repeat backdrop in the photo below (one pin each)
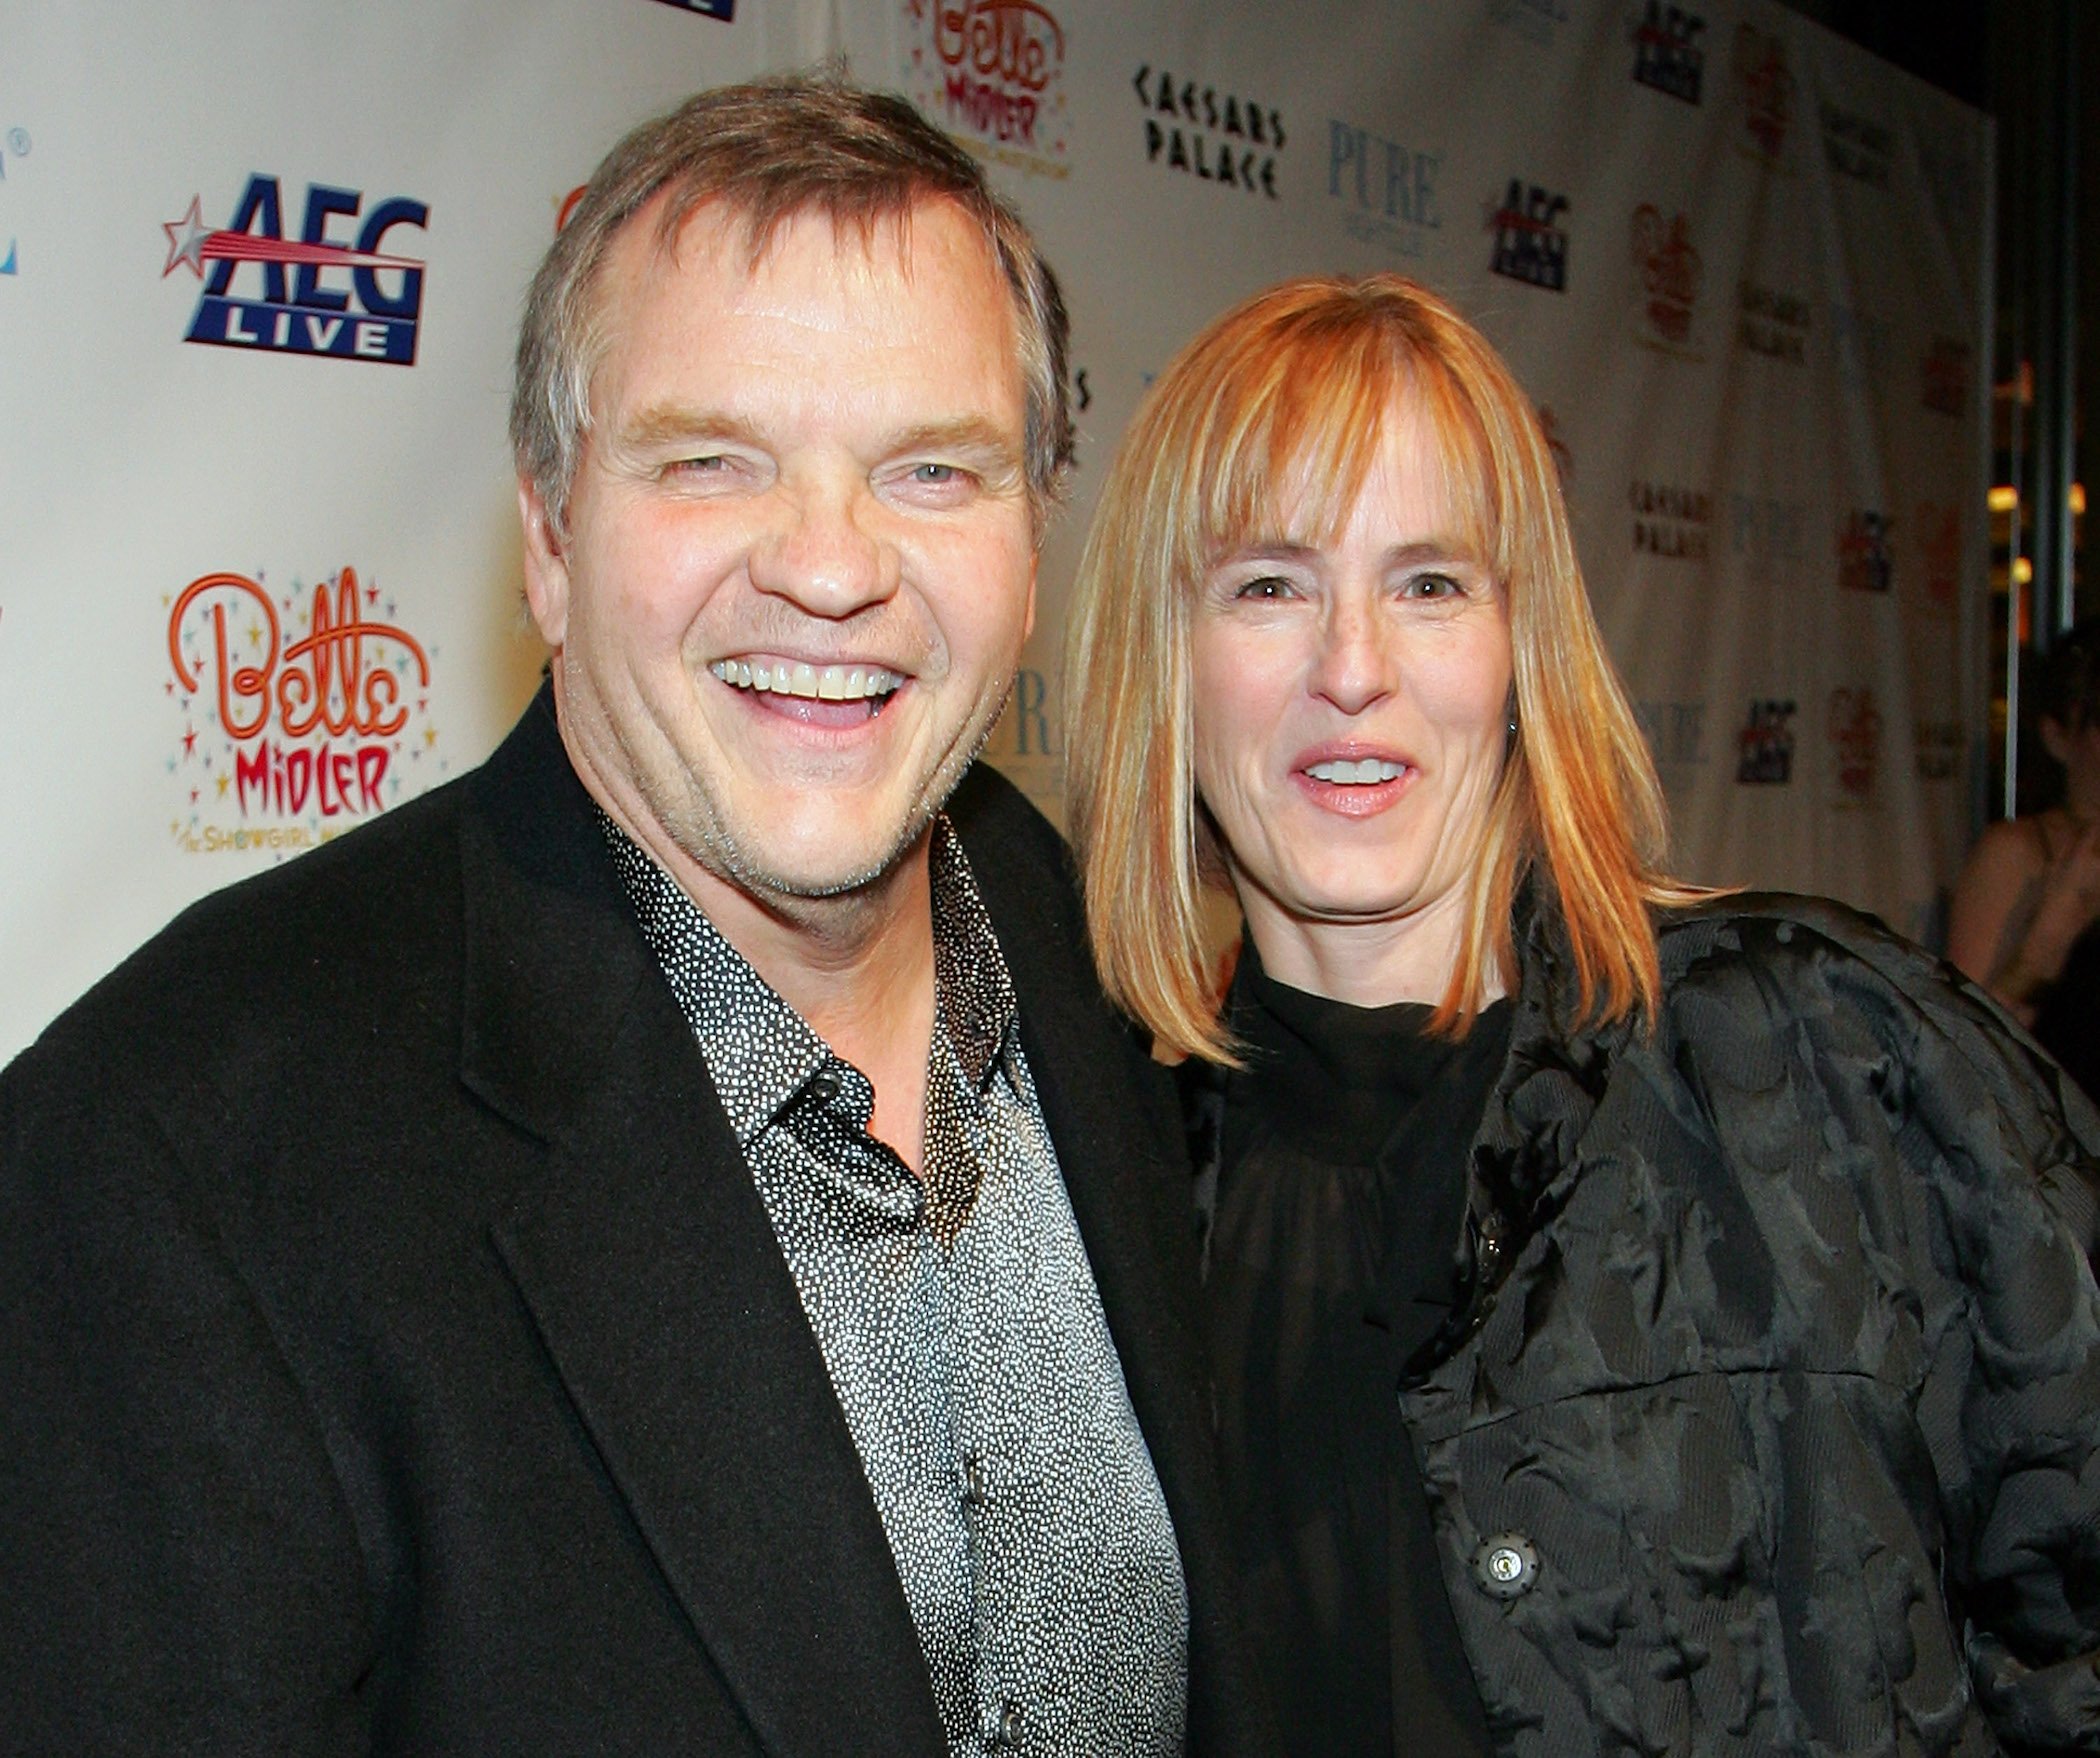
(258, 564)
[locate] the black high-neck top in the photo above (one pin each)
(1335, 1254)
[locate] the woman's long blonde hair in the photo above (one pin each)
(1293, 388)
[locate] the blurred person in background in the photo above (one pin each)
(1645, 1320)
(2026, 917)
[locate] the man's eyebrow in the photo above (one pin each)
(970, 435)
(679, 424)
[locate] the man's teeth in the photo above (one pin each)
(830, 683)
(1369, 769)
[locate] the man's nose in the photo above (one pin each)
(822, 554)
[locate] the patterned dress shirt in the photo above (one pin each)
(959, 1321)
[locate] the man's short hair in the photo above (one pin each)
(770, 151)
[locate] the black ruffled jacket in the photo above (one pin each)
(1771, 1426)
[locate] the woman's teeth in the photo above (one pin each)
(829, 683)
(1370, 769)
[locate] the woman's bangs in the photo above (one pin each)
(1311, 412)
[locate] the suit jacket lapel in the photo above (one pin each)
(643, 1251)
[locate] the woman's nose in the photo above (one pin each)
(1352, 668)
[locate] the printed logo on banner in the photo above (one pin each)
(1669, 521)
(1772, 323)
(725, 10)
(1866, 557)
(1855, 744)
(1952, 179)
(1666, 51)
(1531, 244)
(1388, 189)
(1675, 731)
(1936, 749)
(1536, 21)
(1767, 89)
(992, 72)
(1764, 744)
(1938, 526)
(1945, 369)
(1859, 344)
(302, 713)
(1765, 532)
(346, 296)
(1670, 272)
(14, 147)
(1213, 137)
(1028, 727)
(1857, 146)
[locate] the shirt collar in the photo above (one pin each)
(974, 989)
(759, 1051)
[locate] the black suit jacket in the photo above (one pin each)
(395, 1354)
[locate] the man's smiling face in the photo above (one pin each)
(799, 563)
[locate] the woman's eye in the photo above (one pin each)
(1264, 586)
(1433, 586)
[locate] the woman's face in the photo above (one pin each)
(1351, 708)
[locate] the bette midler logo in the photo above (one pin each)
(991, 70)
(290, 735)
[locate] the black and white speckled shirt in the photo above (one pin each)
(963, 1332)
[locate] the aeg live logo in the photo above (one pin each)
(337, 289)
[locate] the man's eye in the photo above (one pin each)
(936, 474)
(710, 464)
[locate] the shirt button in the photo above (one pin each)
(823, 1087)
(1010, 1723)
(1506, 1566)
(973, 1481)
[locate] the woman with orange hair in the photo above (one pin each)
(1644, 1320)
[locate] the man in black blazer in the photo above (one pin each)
(654, 1246)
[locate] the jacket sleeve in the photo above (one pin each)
(178, 1572)
(1996, 1157)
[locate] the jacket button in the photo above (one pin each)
(1506, 1566)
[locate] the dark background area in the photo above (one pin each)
(2034, 67)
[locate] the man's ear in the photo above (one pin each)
(546, 566)
(1028, 616)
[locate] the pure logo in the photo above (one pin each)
(1388, 187)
